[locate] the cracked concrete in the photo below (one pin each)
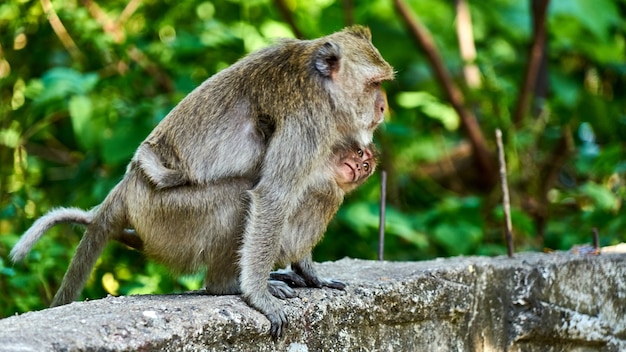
(533, 302)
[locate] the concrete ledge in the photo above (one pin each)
(534, 302)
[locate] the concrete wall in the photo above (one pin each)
(534, 302)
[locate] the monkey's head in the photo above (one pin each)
(353, 166)
(353, 72)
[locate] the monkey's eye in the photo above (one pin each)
(360, 153)
(366, 167)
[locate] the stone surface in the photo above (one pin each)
(533, 302)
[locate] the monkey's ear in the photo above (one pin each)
(327, 59)
(360, 31)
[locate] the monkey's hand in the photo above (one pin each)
(280, 289)
(272, 309)
(305, 278)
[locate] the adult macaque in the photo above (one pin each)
(273, 117)
(350, 168)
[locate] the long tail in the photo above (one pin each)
(43, 224)
(109, 219)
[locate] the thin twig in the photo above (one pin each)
(60, 31)
(465, 36)
(475, 135)
(348, 10)
(130, 8)
(596, 240)
(506, 205)
(540, 8)
(381, 225)
(284, 10)
(113, 27)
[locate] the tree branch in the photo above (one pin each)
(60, 31)
(288, 17)
(467, 48)
(348, 11)
(422, 36)
(539, 9)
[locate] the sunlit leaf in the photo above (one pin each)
(81, 111)
(601, 197)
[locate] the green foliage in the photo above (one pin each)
(76, 104)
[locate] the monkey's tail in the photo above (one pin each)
(108, 219)
(45, 223)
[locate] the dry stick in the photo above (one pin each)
(466, 44)
(596, 240)
(60, 31)
(475, 135)
(113, 27)
(534, 60)
(381, 225)
(130, 8)
(508, 230)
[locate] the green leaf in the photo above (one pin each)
(601, 197)
(457, 237)
(81, 111)
(431, 107)
(61, 82)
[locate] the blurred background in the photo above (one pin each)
(82, 83)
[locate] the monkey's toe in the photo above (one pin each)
(280, 289)
(336, 284)
(289, 277)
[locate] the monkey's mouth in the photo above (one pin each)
(354, 173)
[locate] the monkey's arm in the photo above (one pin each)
(284, 177)
(304, 230)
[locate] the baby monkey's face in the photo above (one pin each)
(353, 167)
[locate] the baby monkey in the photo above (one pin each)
(349, 167)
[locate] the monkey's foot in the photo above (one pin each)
(294, 280)
(280, 289)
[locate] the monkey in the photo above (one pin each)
(310, 95)
(350, 166)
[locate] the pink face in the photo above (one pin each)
(354, 167)
(380, 106)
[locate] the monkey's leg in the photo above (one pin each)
(223, 278)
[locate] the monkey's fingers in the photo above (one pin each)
(336, 284)
(289, 277)
(280, 289)
(278, 322)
